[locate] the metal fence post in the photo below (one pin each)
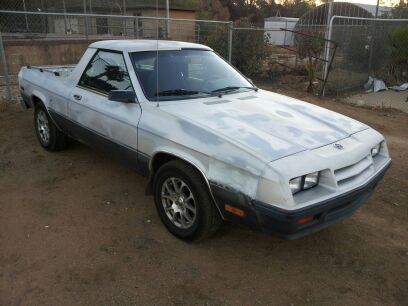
(327, 51)
(372, 41)
(329, 24)
(25, 15)
(137, 27)
(230, 26)
(198, 33)
(65, 17)
(5, 70)
(167, 19)
(86, 21)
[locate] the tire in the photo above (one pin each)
(190, 212)
(48, 135)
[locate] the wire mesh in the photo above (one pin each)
(33, 25)
(76, 31)
(364, 47)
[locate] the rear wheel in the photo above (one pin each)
(183, 202)
(49, 136)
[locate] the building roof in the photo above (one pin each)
(318, 14)
(108, 6)
(185, 5)
(134, 45)
(371, 8)
(290, 19)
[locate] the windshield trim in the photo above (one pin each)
(188, 97)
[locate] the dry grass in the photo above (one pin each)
(4, 106)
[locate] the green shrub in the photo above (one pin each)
(216, 38)
(310, 48)
(249, 47)
(398, 41)
(357, 51)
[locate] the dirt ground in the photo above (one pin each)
(76, 228)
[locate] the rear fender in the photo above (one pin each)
(40, 96)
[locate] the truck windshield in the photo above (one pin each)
(185, 74)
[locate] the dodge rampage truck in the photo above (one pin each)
(213, 146)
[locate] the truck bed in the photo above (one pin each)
(63, 71)
(48, 83)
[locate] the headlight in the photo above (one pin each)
(311, 180)
(304, 182)
(295, 184)
(375, 150)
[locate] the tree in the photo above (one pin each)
(249, 49)
(398, 40)
(214, 10)
(296, 8)
(400, 11)
(248, 60)
(255, 10)
(310, 48)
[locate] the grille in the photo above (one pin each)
(354, 174)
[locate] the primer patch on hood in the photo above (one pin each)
(269, 124)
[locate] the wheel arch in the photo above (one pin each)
(37, 100)
(162, 157)
(37, 96)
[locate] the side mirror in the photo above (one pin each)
(124, 96)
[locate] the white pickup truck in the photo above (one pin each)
(213, 146)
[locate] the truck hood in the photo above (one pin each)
(268, 124)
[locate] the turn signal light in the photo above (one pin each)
(234, 210)
(305, 220)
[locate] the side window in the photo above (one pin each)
(106, 71)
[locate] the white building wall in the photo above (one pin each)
(279, 37)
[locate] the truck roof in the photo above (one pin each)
(134, 45)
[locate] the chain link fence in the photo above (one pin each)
(365, 48)
(33, 25)
(338, 56)
(75, 31)
(336, 46)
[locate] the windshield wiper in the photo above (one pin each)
(180, 92)
(232, 88)
(186, 92)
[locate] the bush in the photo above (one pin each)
(398, 41)
(249, 47)
(358, 51)
(310, 48)
(216, 38)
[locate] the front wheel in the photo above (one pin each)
(49, 136)
(183, 202)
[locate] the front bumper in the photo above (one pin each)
(284, 223)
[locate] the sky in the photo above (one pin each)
(374, 2)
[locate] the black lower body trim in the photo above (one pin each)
(285, 223)
(129, 157)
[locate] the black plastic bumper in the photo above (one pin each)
(285, 223)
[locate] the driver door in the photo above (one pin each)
(103, 124)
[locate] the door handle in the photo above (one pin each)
(77, 97)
